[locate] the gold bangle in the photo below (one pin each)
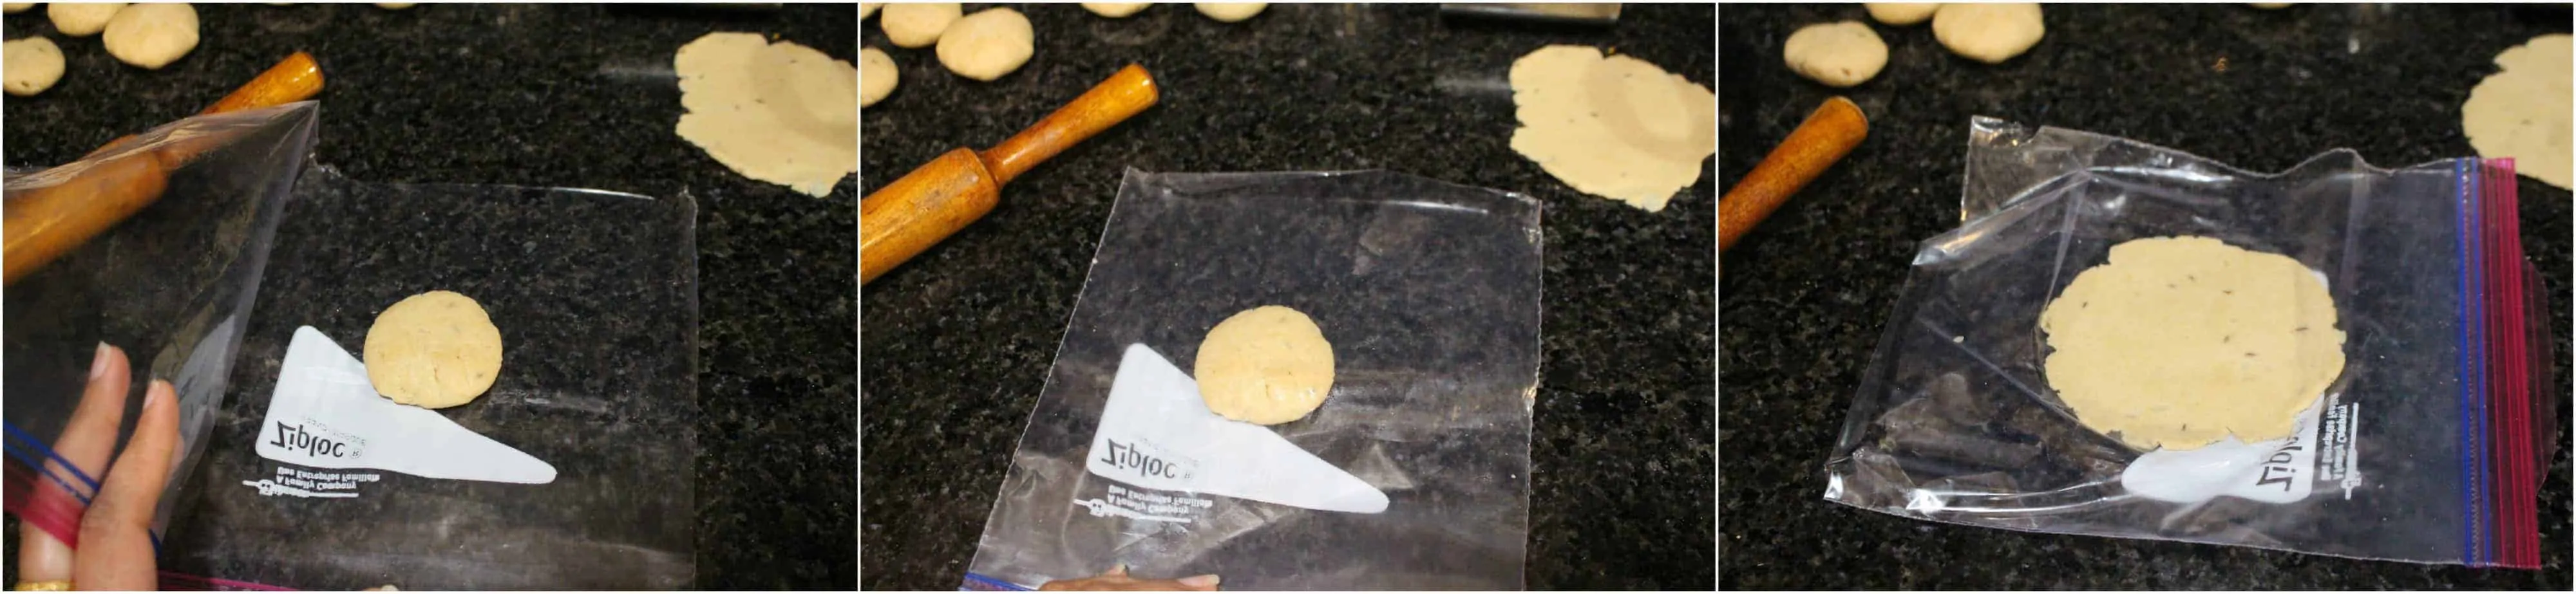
(52, 586)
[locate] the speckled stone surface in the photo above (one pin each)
(570, 96)
(1810, 290)
(958, 341)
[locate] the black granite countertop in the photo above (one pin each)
(959, 340)
(570, 96)
(1809, 292)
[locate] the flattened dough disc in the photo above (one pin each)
(2178, 342)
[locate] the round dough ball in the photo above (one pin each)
(1267, 365)
(918, 25)
(15, 7)
(1836, 54)
(988, 44)
(1231, 12)
(151, 35)
(1116, 10)
(877, 76)
(868, 8)
(2178, 342)
(433, 350)
(1989, 33)
(33, 64)
(82, 20)
(2521, 112)
(1902, 13)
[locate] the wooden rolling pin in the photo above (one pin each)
(902, 219)
(1823, 139)
(45, 223)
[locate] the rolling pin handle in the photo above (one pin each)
(1125, 94)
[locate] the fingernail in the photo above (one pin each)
(154, 394)
(98, 362)
(1200, 581)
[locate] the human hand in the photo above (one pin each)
(1117, 579)
(114, 539)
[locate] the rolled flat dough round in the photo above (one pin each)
(988, 44)
(1116, 10)
(917, 24)
(775, 112)
(1902, 13)
(1989, 33)
(2521, 112)
(1836, 54)
(1614, 127)
(877, 76)
(2177, 342)
(1231, 12)
(32, 65)
(1267, 365)
(433, 350)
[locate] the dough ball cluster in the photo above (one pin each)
(2178, 342)
(1266, 365)
(151, 35)
(33, 65)
(1848, 53)
(2521, 111)
(1611, 126)
(433, 350)
(1837, 54)
(988, 44)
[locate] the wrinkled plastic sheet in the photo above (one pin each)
(1429, 295)
(595, 296)
(173, 285)
(1954, 420)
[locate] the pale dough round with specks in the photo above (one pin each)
(2521, 112)
(1615, 127)
(1267, 365)
(433, 350)
(2177, 342)
(1839, 55)
(877, 76)
(988, 44)
(1902, 13)
(917, 24)
(776, 112)
(33, 65)
(1989, 33)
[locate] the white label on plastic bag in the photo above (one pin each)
(2276, 471)
(1156, 433)
(325, 414)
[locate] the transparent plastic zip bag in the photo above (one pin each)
(172, 285)
(573, 471)
(1413, 474)
(1955, 419)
